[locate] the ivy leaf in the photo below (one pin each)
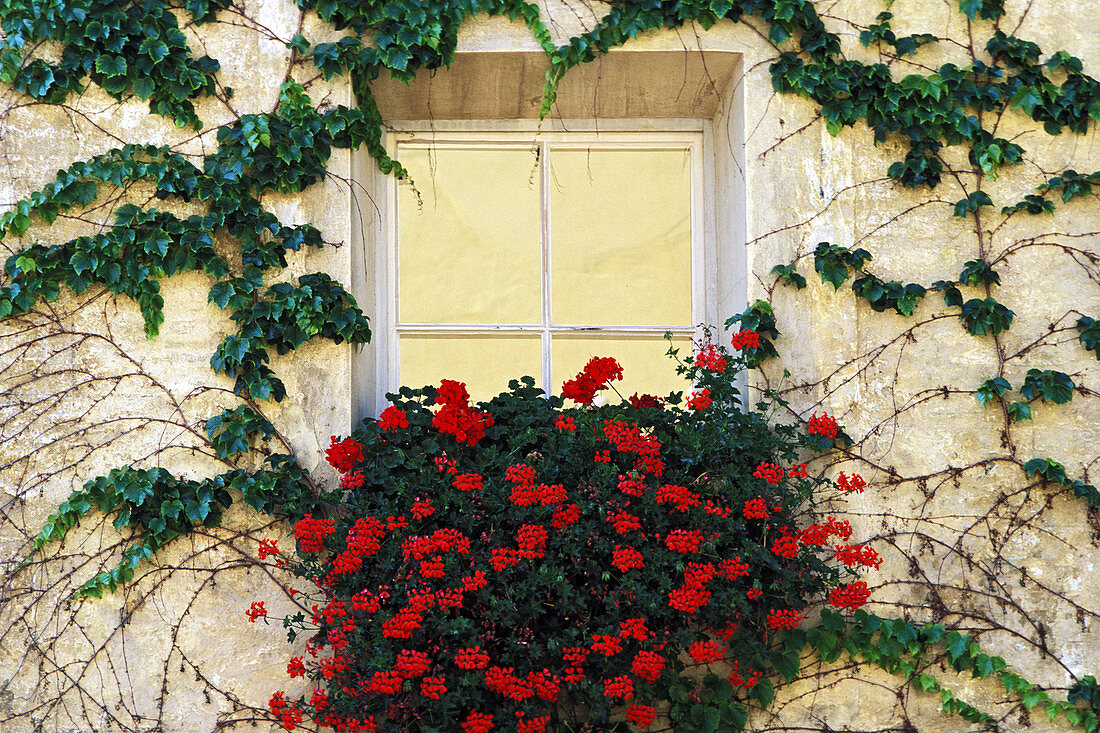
(1089, 330)
(154, 48)
(970, 8)
(985, 316)
(1032, 204)
(972, 203)
(144, 87)
(789, 274)
(111, 66)
(1019, 411)
(992, 387)
(1052, 386)
(787, 664)
(978, 272)
(763, 692)
(1027, 98)
(928, 683)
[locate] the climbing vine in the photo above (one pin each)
(53, 51)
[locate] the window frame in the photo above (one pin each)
(381, 266)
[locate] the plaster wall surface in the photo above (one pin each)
(968, 539)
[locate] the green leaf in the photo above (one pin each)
(1026, 98)
(970, 8)
(763, 692)
(787, 664)
(144, 87)
(991, 388)
(111, 66)
(711, 720)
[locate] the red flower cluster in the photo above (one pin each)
(574, 657)
(469, 482)
(737, 680)
(786, 546)
(816, 535)
(631, 484)
(411, 663)
(345, 455)
(770, 472)
(606, 644)
(478, 723)
(850, 596)
(634, 628)
(596, 375)
(684, 541)
(647, 528)
(693, 594)
(700, 400)
(783, 619)
(502, 681)
(681, 496)
(624, 521)
(255, 611)
(733, 568)
(532, 725)
(705, 652)
(393, 418)
(456, 417)
(842, 529)
(852, 555)
(445, 464)
(433, 687)
(627, 558)
(386, 683)
(267, 547)
(745, 340)
(565, 515)
(854, 482)
(289, 714)
(402, 625)
(564, 422)
(422, 508)
(352, 480)
(646, 401)
(648, 665)
(824, 425)
(710, 357)
(641, 715)
(311, 533)
(531, 539)
(471, 658)
(756, 509)
(620, 686)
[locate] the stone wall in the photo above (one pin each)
(968, 539)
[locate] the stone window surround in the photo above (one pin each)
(500, 90)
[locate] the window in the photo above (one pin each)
(515, 257)
(527, 247)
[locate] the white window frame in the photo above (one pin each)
(658, 134)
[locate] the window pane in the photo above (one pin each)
(620, 236)
(646, 368)
(484, 363)
(470, 250)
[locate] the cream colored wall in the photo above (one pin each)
(116, 664)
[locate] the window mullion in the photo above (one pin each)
(544, 196)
